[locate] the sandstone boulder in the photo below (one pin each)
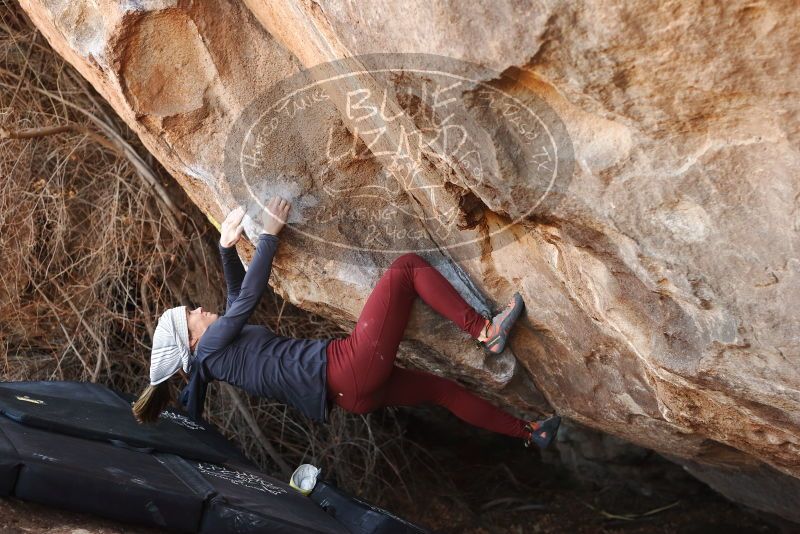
(659, 261)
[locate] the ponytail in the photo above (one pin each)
(152, 401)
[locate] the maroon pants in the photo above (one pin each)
(361, 373)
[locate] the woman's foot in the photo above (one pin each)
(495, 332)
(542, 432)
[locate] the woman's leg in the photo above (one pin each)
(360, 364)
(408, 387)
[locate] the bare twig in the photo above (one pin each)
(248, 416)
(93, 245)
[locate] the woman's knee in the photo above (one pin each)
(409, 259)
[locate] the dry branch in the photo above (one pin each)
(93, 246)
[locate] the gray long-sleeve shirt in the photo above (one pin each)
(289, 370)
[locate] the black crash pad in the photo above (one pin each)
(108, 422)
(115, 470)
(359, 515)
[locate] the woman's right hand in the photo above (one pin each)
(232, 228)
(277, 213)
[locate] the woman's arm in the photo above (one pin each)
(234, 273)
(225, 329)
(230, 232)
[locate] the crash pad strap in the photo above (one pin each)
(187, 474)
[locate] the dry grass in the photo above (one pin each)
(96, 240)
(80, 229)
(94, 245)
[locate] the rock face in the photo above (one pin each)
(659, 265)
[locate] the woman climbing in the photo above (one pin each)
(357, 372)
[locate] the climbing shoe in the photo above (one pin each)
(499, 326)
(542, 432)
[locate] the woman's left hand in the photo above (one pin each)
(232, 228)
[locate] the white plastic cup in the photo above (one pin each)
(304, 478)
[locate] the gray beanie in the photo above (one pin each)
(170, 345)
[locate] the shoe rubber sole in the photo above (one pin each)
(549, 427)
(497, 343)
